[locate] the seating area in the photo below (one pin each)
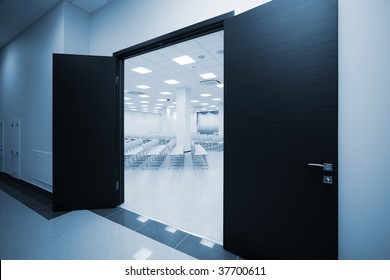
(209, 142)
(162, 151)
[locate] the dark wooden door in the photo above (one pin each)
(85, 163)
(281, 117)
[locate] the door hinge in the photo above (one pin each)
(117, 80)
(117, 185)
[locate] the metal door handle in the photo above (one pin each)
(325, 166)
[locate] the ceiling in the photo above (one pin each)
(207, 51)
(18, 15)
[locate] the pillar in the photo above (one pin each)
(221, 119)
(183, 117)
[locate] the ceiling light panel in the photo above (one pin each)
(143, 86)
(166, 93)
(208, 75)
(183, 60)
(205, 95)
(141, 70)
(171, 82)
(216, 99)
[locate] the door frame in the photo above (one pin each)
(209, 26)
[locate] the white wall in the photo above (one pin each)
(25, 87)
(26, 80)
(124, 23)
(138, 123)
(364, 129)
(76, 30)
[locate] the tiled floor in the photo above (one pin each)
(29, 229)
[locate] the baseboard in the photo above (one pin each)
(27, 185)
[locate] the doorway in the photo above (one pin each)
(280, 138)
(173, 131)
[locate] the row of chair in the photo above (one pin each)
(156, 156)
(135, 156)
(209, 142)
(152, 153)
(199, 155)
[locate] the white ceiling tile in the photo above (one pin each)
(43, 4)
(171, 52)
(90, 5)
(8, 32)
(22, 9)
(189, 47)
(211, 41)
(12, 22)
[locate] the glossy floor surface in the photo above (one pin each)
(29, 229)
(186, 198)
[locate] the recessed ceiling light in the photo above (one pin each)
(159, 104)
(208, 75)
(171, 106)
(216, 99)
(205, 94)
(213, 106)
(144, 101)
(174, 103)
(143, 86)
(205, 104)
(165, 93)
(129, 103)
(127, 98)
(144, 105)
(182, 60)
(144, 95)
(220, 85)
(141, 70)
(162, 100)
(133, 109)
(171, 82)
(194, 101)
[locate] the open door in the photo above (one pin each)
(281, 131)
(85, 163)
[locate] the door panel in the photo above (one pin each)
(14, 156)
(84, 132)
(1, 146)
(281, 113)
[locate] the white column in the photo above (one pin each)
(183, 117)
(221, 119)
(165, 115)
